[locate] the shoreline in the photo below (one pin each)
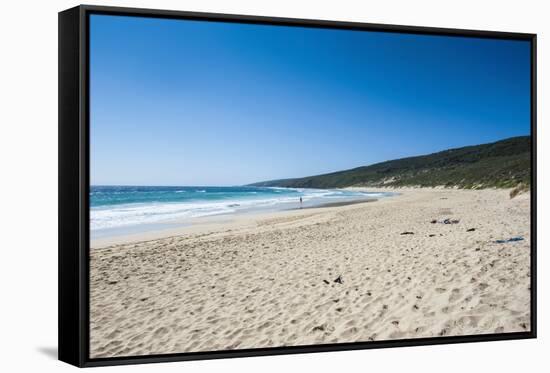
(313, 276)
(337, 204)
(208, 223)
(116, 210)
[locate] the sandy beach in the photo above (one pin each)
(389, 269)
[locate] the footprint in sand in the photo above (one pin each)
(455, 295)
(349, 332)
(447, 309)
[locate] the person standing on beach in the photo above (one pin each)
(300, 202)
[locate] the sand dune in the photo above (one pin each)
(335, 274)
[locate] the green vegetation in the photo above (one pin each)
(502, 164)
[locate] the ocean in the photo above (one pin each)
(125, 209)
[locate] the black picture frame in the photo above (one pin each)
(73, 249)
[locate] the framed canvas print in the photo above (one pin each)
(238, 186)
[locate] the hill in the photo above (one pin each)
(501, 164)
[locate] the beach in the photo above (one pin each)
(422, 263)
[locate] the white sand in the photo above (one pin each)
(260, 281)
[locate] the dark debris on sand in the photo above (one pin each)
(451, 221)
(513, 239)
(445, 221)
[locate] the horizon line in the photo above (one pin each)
(299, 177)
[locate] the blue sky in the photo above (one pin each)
(205, 103)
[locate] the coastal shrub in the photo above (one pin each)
(502, 164)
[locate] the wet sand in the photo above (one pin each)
(340, 204)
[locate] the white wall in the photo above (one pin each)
(28, 187)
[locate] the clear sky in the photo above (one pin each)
(204, 103)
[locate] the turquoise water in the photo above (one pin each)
(114, 207)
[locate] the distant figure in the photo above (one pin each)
(300, 202)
